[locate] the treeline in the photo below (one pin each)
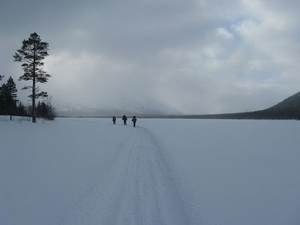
(10, 105)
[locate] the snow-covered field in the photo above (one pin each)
(173, 172)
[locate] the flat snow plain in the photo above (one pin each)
(164, 171)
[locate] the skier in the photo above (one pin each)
(134, 120)
(124, 118)
(114, 120)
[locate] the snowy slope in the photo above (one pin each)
(88, 171)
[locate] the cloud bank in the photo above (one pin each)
(193, 56)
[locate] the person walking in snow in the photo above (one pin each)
(124, 118)
(114, 120)
(134, 120)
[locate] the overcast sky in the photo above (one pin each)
(193, 56)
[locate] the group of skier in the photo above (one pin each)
(124, 118)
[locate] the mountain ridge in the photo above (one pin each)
(289, 108)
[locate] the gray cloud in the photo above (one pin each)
(195, 56)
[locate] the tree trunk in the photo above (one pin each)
(33, 88)
(33, 100)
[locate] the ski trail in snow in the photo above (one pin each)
(136, 189)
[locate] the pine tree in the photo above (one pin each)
(8, 95)
(11, 88)
(45, 110)
(21, 110)
(32, 53)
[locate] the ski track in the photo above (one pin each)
(137, 188)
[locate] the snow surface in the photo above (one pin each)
(89, 171)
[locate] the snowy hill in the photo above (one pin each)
(91, 172)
